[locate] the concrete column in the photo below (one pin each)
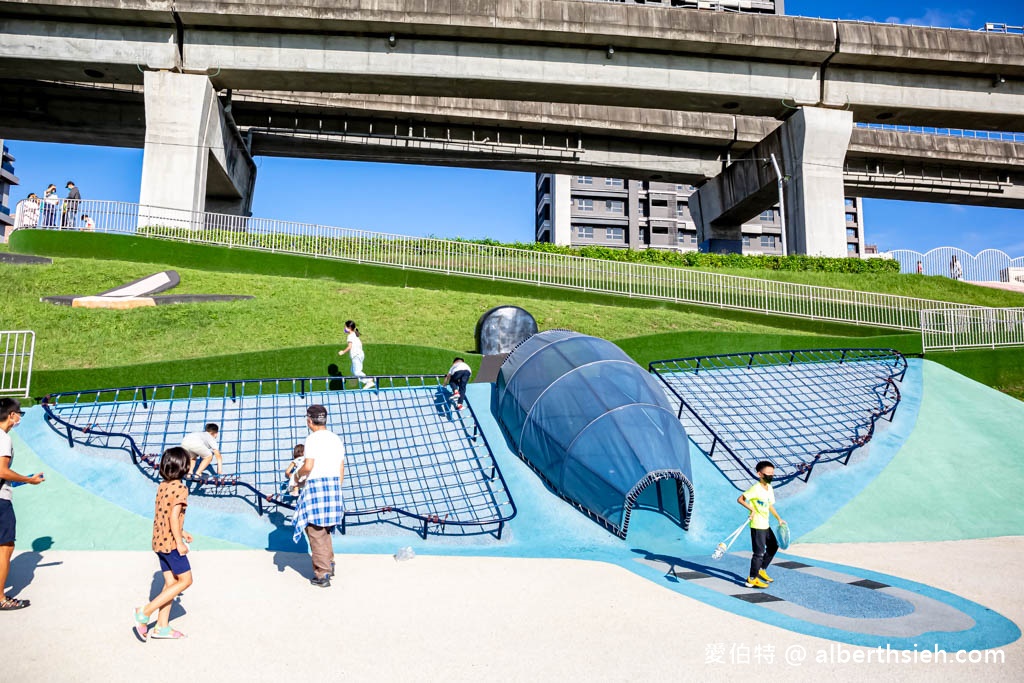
(811, 148)
(194, 158)
(561, 209)
(633, 229)
(814, 143)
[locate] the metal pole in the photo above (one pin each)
(782, 202)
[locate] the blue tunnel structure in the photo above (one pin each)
(596, 427)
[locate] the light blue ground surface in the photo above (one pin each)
(545, 526)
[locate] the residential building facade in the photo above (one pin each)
(7, 181)
(638, 214)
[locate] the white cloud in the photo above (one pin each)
(937, 17)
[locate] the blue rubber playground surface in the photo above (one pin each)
(407, 448)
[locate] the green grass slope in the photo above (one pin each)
(952, 479)
(413, 322)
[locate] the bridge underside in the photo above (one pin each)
(623, 142)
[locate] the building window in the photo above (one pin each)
(679, 188)
(584, 180)
(659, 202)
(851, 218)
(659, 230)
(680, 210)
(613, 206)
(613, 182)
(746, 240)
(768, 216)
(585, 232)
(849, 201)
(851, 233)
(641, 209)
(851, 248)
(768, 241)
(585, 204)
(614, 234)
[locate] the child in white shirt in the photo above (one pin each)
(355, 351)
(298, 457)
(457, 377)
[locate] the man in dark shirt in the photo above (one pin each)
(71, 204)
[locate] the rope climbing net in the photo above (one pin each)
(793, 408)
(411, 457)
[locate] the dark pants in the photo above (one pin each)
(69, 217)
(458, 381)
(321, 548)
(764, 547)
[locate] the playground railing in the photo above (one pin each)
(504, 263)
(943, 329)
(17, 348)
(64, 410)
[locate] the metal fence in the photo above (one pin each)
(682, 285)
(16, 350)
(972, 328)
(990, 265)
(995, 135)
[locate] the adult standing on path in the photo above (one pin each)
(71, 204)
(50, 202)
(10, 416)
(320, 506)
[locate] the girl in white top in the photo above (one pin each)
(298, 457)
(355, 351)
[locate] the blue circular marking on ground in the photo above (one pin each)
(814, 592)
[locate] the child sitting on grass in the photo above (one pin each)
(170, 543)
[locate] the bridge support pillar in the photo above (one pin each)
(194, 157)
(810, 148)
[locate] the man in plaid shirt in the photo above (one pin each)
(320, 506)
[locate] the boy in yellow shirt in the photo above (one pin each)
(759, 499)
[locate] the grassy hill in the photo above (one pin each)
(412, 322)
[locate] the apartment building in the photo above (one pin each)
(7, 181)
(634, 214)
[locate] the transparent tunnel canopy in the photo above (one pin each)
(593, 424)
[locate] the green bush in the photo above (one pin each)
(694, 259)
(421, 251)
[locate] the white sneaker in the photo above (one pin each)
(369, 384)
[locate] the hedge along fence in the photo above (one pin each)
(696, 259)
(640, 280)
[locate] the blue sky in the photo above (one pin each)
(452, 202)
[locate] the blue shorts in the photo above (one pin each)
(7, 522)
(174, 563)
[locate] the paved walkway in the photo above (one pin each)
(252, 614)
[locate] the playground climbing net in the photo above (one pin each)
(793, 408)
(411, 457)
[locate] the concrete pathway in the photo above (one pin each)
(252, 615)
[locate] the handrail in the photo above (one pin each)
(471, 259)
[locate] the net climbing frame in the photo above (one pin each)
(411, 458)
(794, 408)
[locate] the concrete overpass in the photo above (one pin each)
(645, 144)
(603, 55)
(533, 50)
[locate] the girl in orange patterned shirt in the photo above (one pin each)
(170, 545)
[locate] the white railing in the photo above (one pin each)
(16, 350)
(972, 328)
(994, 135)
(667, 283)
(990, 265)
